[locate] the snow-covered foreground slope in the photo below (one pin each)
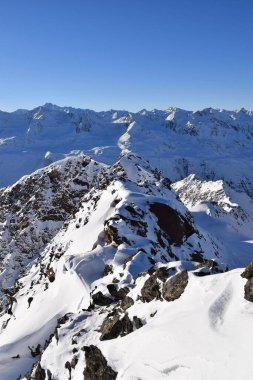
(130, 267)
(205, 334)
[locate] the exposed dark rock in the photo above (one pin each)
(35, 352)
(101, 300)
(176, 226)
(126, 303)
(111, 233)
(16, 357)
(137, 322)
(39, 374)
(175, 286)
(248, 290)
(197, 256)
(122, 292)
(114, 326)
(62, 320)
(248, 272)
(30, 299)
(127, 326)
(96, 365)
(68, 367)
(51, 275)
(162, 273)
(117, 294)
(202, 273)
(112, 290)
(108, 270)
(74, 362)
(111, 327)
(150, 289)
(207, 263)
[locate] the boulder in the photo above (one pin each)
(127, 326)
(137, 322)
(101, 300)
(175, 286)
(126, 303)
(162, 273)
(117, 294)
(248, 290)
(96, 365)
(114, 326)
(248, 272)
(111, 327)
(39, 374)
(150, 289)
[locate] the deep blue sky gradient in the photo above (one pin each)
(126, 54)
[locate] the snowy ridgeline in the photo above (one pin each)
(126, 268)
(213, 144)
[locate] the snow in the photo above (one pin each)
(204, 334)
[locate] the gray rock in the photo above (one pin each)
(101, 300)
(248, 272)
(111, 327)
(117, 294)
(126, 303)
(162, 273)
(175, 286)
(150, 289)
(39, 374)
(114, 326)
(137, 322)
(248, 290)
(127, 326)
(96, 365)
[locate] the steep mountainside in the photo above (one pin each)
(130, 267)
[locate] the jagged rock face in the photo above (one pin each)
(115, 325)
(151, 289)
(172, 223)
(33, 210)
(175, 286)
(38, 374)
(111, 327)
(96, 365)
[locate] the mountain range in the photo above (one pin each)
(124, 240)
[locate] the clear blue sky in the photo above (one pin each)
(129, 54)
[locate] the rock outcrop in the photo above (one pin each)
(175, 286)
(96, 365)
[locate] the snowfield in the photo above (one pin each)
(124, 239)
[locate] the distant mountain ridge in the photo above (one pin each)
(176, 141)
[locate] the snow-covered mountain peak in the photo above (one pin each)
(135, 234)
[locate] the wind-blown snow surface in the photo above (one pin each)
(84, 244)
